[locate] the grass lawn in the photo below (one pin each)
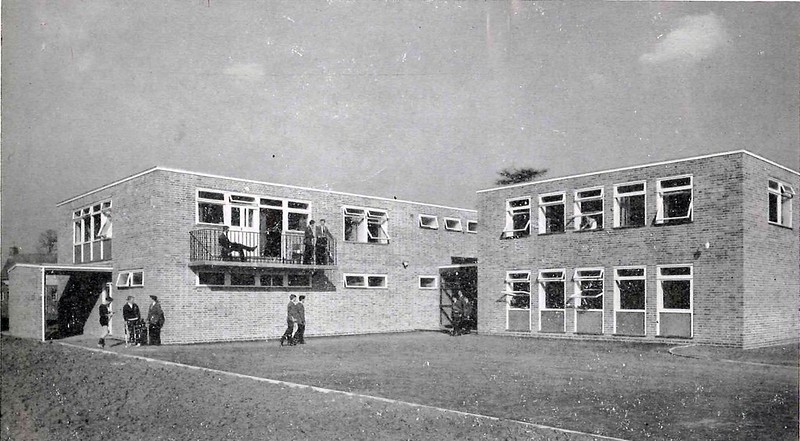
(626, 390)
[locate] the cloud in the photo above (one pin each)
(697, 37)
(246, 71)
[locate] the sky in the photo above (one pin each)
(422, 101)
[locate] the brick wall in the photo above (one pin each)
(25, 302)
(154, 213)
(772, 261)
(718, 284)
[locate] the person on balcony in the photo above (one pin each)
(323, 234)
(228, 246)
(308, 243)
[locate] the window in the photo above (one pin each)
(272, 280)
(675, 287)
(518, 290)
(92, 232)
(243, 279)
(365, 281)
(589, 209)
(472, 226)
(551, 289)
(629, 284)
(629, 205)
(674, 199)
(429, 222)
(452, 224)
(551, 213)
(130, 279)
(588, 289)
(780, 203)
(210, 207)
(428, 282)
(366, 225)
(298, 280)
(518, 218)
(211, 279)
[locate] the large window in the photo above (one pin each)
(629, 285)
(242, 212)
(675, 287)
(674, 199)
(518, 218)
(551, 290)
(373, 281)
(210, 207)
(551, 213)
(588, 289)
(589, 209)
(780, 203)
(367, 225)
(629, 205)
(92, 232)
(518, 289)
(245, 279)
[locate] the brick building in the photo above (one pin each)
(701, 250)
(159, 233)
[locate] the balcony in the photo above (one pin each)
(212, 247)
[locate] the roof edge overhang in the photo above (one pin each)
(57, 267)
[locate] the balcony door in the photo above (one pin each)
(271, 227)
(244, 225)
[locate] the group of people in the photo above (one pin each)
(315, 243)
(462, 314)
(134, 325)
(295, 321)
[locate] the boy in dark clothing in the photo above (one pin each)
(130, 312)
(301, 322)
(155, 320)
(105, 316)
(291, 319)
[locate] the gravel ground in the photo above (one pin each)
(52, 392)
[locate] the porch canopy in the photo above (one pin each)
(27, 300)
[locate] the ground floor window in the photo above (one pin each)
(675, 302)
(373, 281)
(551, 300)
(518, 301)
(588, 289)
(629, 300)
(263, 280)
(428, 282)
(130, 279)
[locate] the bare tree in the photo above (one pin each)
(513, 175)
(48, 242)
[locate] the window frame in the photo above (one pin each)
(509, 232)
(660, 196)
(472, 226)
(617, 293)
(660, 289)
(224, 278)
(511, 293)
(129, 278)
(780, 193)
(542, 214)
(87, 235)
(618, 196)
(578, 214)
(435, 282)
(577, 278)
(457, 227)
(421, 221)
(365, 278)
(369, 217)
(541, 281)
(250, 206)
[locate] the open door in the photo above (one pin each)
(452, 279)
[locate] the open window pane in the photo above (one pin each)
(123, 279)
(452, 224)
(430, 222)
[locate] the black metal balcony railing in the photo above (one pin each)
(212, 244)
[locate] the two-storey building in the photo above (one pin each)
(224, 254)
(703, 250)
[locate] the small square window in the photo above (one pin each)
(428, 282)
(354, 281)
(429, 222)
(452, 224)
(376, 281)
(365, 281)
(472, 226)
(128, 279)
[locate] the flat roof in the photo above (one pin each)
(64, 267)
(186, 172)
(652, 164)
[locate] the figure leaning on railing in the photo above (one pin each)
(228, 246)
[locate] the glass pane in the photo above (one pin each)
(553, 198)
(589, 273)
(554, 219)
(520, 287)
(677, 271)
(630, 188)
(427, 282)
(591, 288)
(631, 294)
(519, 203)
(552, 275)
(676, 204)
(521, 220)
(677, 294)
(773, 207)
(240, 279)
(236, 217)
(297, 221)
(137, 278)
(211, 278)
(554, 295)
(300, 205)
(87, 229)
(272, 202)
(428, 221)
(786, 212)
(78, 233)
(237, 198)
(590, 193)
(594, 206)
(271, 280)
(299, 280)
(520, 301)
(376, 281)
(354, 281)
(680, 182)
(630, 272)
(210, 195)
(631, 211)
(773, 185)
(210, 213)
(351, 228)
(472, 226)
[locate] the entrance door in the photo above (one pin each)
(271, 230)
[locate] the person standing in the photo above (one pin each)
(130, 312)
(155, 321)
(299, 336)
(323, 233)
(105, 316)
(308, 243)
(291, 319)
(458, 313)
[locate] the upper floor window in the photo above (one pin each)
(551, 213)
(629, 205)
(518, 218)
(452, 224)
(428, 282)
(588, 288)
(92, 231)
(780, 203)
(589, 209)
(674, 199)
(368, 225)
(374, 281)
(472, 226)
(210, 207)
(429, 222)
(245, 212)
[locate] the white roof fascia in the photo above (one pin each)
(652, 164)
